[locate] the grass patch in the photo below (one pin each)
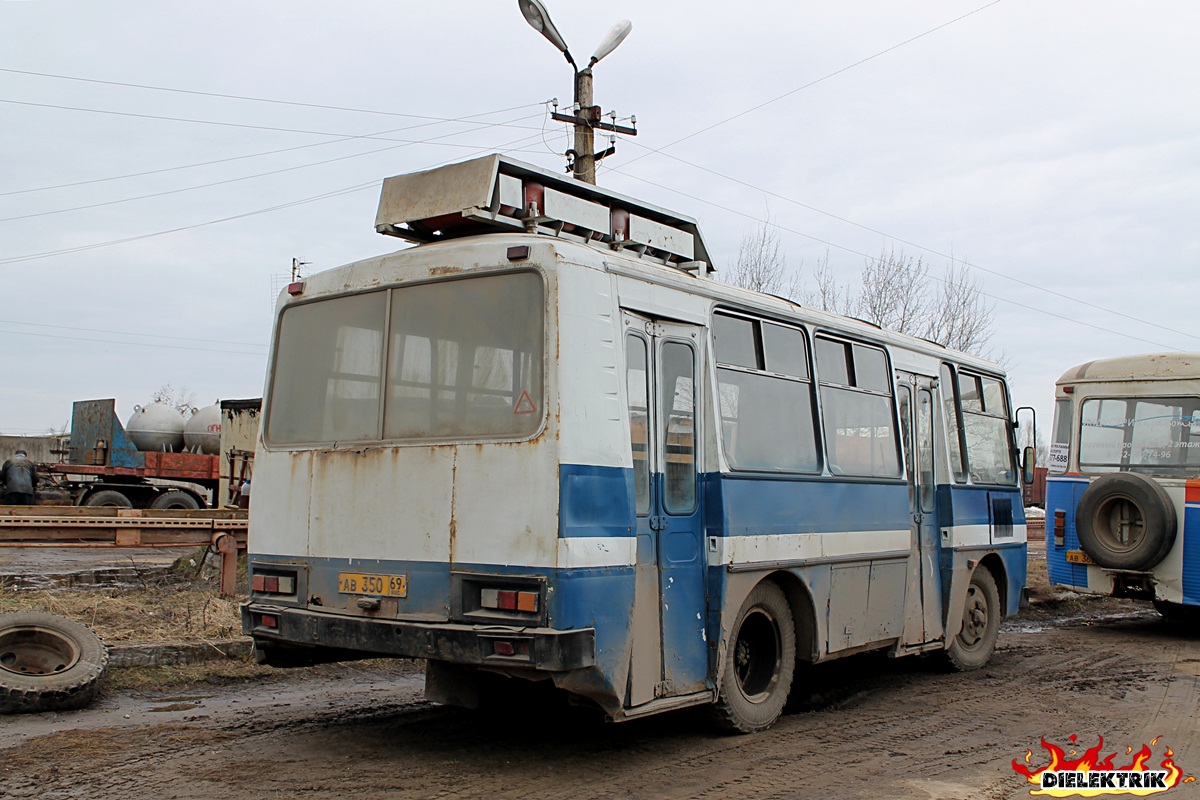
(225, 672)
(176, 606)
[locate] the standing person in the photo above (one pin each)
(19, 477)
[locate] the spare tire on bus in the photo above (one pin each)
(1125, 520)
(48, 663)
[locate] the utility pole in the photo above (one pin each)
(296, 265)
(587, 116)
(585, 136)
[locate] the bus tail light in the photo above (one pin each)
(510, 647)
(273, 583)
(268, 620)
(509, 600)
(1060, 528)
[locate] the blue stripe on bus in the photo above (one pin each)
(748, 506)
(599, 597)
(1191, 555)
(598, 501)
(972, 505)
(595, 501)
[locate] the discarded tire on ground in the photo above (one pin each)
(1126, 520)
(47, 663)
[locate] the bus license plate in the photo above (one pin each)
(1079, 557)
(381, 585)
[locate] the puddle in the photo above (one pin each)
(1080, 619)
(174, 707)
(179, 703)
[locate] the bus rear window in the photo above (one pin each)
(1156, 435)
(463, 360)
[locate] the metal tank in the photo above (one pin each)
(202, 433)
(157, 427)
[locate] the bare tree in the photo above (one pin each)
(894, 294)
(898, 292)
(962, 318)
(829, 295)
(761, 264)
(180, 400)
(1026, 438)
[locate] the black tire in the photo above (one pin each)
(176, 498)
(973, 644)
(1126, 521)
(47, 663)
(108, 497)
(757, 675)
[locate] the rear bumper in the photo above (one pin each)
(548, 650)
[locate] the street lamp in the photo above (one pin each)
(539, 19)
(587, 116)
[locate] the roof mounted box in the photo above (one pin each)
(497, 194)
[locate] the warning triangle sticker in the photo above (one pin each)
(525, 405)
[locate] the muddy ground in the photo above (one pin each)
(866, 727)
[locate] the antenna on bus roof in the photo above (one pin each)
(586, 117)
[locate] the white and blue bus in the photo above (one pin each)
(1123, 483)
(546, 444)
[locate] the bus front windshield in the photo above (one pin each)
(1153, 435)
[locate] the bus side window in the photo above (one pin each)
(986, 429)
(953, 420)
(637, 381)
(925, 449)
(677, 418)
(857, 410)
(1060, 442)
(765, 396)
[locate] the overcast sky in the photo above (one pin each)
(1054, 145)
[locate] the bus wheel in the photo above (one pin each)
(1126, 521)
(973, 645)
(758, 670)
(175, 498)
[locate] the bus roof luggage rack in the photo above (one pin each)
(497, 194)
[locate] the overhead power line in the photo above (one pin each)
(198, 93)
(219, 123)
(129, 333)
(827, 76)
(821, 79)
(924, 248)
(315, 198)
(338, 140)
(851, 250)
(133, 344)
(431, 141)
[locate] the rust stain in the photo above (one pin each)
(436, 271)
(453, 506)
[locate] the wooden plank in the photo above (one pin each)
(45, 526)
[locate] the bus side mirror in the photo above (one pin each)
(1028, 462)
